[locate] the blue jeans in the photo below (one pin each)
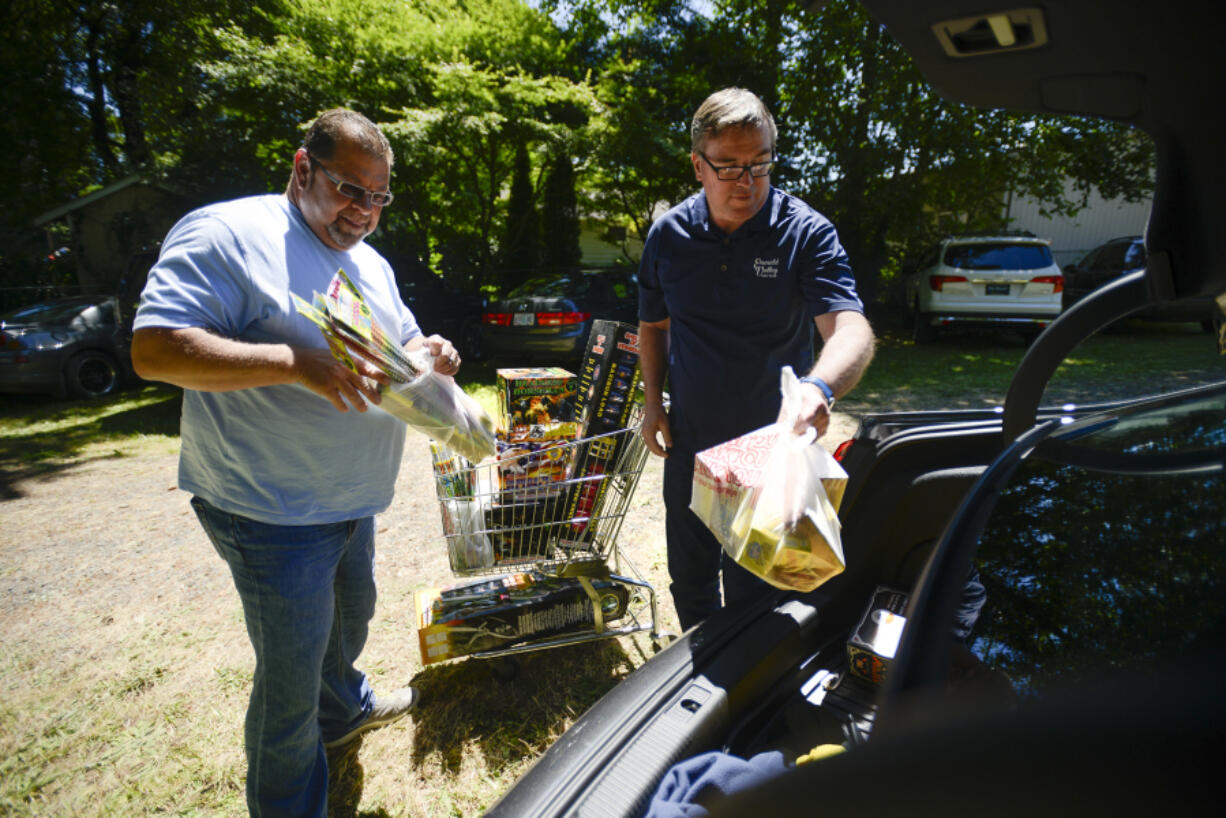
(695, 558)
(308, 594)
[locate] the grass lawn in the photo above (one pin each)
(126, 667)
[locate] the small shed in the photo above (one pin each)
(110, 224)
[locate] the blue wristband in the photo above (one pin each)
(822, 385)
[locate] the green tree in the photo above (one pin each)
(560, 217)
(521, 248)
(862, 136)
(46, 132)
(91, 92)
(465, 144)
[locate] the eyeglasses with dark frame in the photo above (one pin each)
(356, 192)
(731, 173)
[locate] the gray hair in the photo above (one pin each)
(343, 125)
(729, 108)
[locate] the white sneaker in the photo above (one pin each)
(396, 705)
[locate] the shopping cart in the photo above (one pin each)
(543, 524)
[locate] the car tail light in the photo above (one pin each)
(10, 341)
(496, 319)
(558, 319)
(938, 282)
(1056, 282)
(841, 450)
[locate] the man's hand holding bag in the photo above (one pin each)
(771, 498)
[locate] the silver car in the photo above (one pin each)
(65, 346)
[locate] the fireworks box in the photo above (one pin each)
(493, 614)
(596, 459)
(871, 648)
(524, 531)
(532, 396)
(608, 393)
(608, 377)
(533, 461)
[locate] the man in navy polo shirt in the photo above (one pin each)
(732, 283)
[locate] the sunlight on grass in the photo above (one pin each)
(129, 424)
(61, 419)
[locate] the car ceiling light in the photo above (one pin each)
(1003, 29)
(994, 33)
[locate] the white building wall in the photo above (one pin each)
(595, 251)
(1071, 238)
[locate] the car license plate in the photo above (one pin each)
(524, 319)
(996, 289)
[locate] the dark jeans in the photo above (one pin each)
(695, 558)
(308, 594)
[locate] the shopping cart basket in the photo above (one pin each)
(544, 524)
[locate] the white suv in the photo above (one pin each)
(1007, 281)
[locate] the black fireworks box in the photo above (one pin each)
(524, 531)
(872, 646)
(532, 396)
(608, 377)
(608, 393)
(488, 615)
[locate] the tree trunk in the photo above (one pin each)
(131, 116)
(96, 102)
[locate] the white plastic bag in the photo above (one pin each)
(771, 498)
(469, 547)
(435, 406)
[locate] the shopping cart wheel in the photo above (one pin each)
(504, 668)
(662, 640)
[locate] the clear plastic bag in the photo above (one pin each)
(771, 498)
(436, 406)
(469, 547)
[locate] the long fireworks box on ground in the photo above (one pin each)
(608, 392)
(496, 613)
(870, 650)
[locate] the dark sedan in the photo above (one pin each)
(1119, 257)
(64, 346)
(549, 317)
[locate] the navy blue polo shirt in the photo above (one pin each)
(741, 306)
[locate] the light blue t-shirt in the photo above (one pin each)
(277, 454)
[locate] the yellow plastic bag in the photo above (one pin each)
(771, 498)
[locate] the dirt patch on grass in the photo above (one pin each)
(125, 650)
(127, 665)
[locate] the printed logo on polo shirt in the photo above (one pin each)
(766, 267)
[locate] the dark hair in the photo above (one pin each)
(729, 108)
(342, 124)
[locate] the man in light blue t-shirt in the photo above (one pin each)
(286, 463)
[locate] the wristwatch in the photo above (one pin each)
(822, 385)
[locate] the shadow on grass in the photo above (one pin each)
(513, 706)
(41, 437)
(345, 781)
